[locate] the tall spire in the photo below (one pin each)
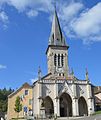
(56, 37)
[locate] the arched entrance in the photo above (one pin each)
(49, 108)
(65, 105)
(83, 109)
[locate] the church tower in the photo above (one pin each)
(57, 51)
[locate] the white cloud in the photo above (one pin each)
(22, 5)
(3, 66)
(32, 13)
(3, 1)
(3, 17)
(77, 20)
(89, 23)
(86, 25)
(70, 11)
(4, 20)
(29, 7)
(33, 80)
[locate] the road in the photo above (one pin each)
(95, 117)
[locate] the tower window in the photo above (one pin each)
(59, 74)
(55, 57)
(63, 74)
(62, 60)
(58, 59)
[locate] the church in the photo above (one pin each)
(60, 92)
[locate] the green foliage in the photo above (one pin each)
(18, 105)
(97, 112)
(4, 99)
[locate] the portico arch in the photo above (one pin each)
(83, 110)
(49, 107)
(65, 105)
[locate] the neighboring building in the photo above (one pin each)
(97, 94)
(60, 92)
(25, 93)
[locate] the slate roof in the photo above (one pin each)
(56, 36)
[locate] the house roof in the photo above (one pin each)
(97, 100)
(25, 85)
(97, 89)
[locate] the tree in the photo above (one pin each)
(18, 105)
(3, 99)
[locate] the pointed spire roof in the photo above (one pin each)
(56, 36)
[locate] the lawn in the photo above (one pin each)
(97, 112)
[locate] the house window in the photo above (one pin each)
(26, 92)
(30, 101)
(25, 109)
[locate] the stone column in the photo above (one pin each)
(56, 101)
(75, 107)
(75, 110)
(56, 107)
(40, 96)
(90, 100)
(40, 88)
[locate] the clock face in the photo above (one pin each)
(60, 69)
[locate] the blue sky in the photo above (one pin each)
(25, 27)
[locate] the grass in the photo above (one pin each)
(97, 112)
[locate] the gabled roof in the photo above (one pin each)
(25, 85)
(47, 76)
(97, 89)
(51, 76)
(97, 100)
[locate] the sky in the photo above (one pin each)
(25, 27)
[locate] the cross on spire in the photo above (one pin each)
(55, 4)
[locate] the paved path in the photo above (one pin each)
(95, 117)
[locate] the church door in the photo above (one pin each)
(49, 108)
(65, 105)
(83, 110)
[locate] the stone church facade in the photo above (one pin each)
(59, 92)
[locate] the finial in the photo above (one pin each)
(39, 73)
(72, 73)
(87, 76)
(55, 4)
